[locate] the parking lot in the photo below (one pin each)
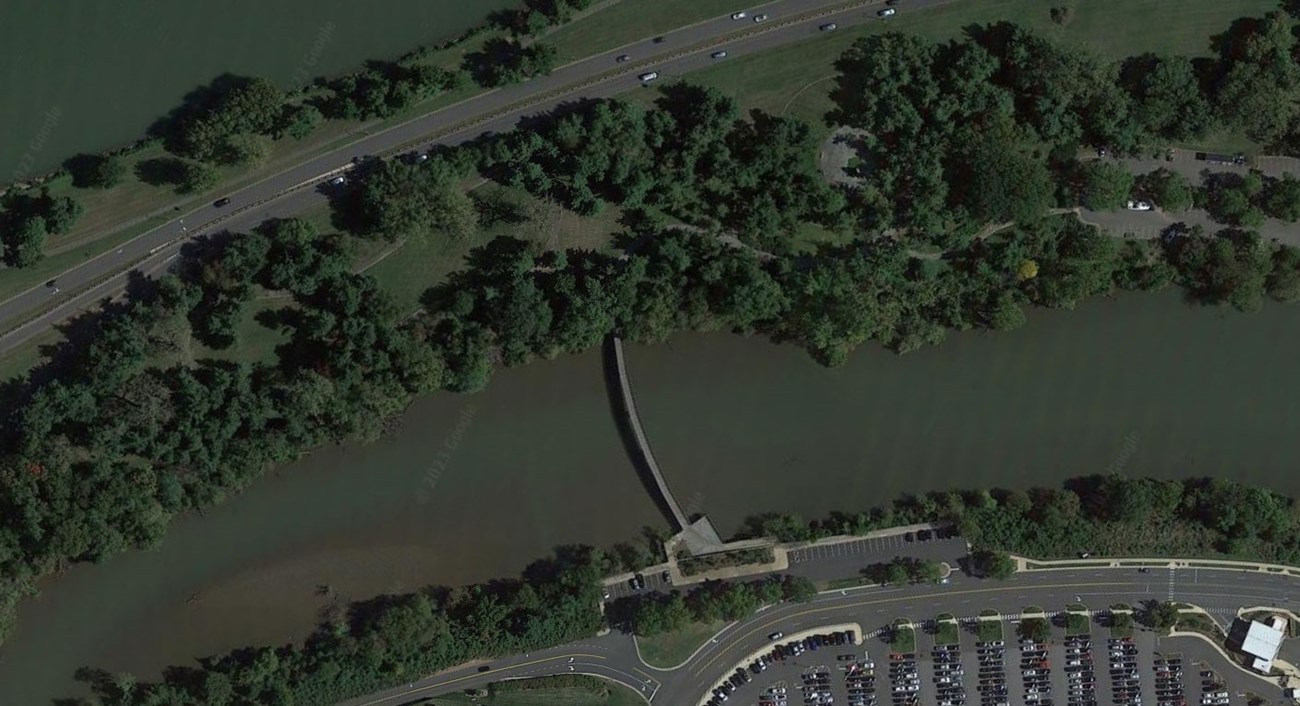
(885, 547)
(1066, 670)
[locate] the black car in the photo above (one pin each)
(221, 202)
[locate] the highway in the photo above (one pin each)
(614, 656)
(291, 191)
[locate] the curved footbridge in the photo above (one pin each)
(699, 536)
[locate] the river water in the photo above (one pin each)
(474, 487)
(88, 76)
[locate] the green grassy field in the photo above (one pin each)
(626, 22)
(795, 80)
(618, 696)
(904, 640)
(989, 631)
(671, 649)
(946, 633)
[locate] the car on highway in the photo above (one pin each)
(776, 635)
(221, 201)
(720, 54)
(622, 58)
(829, 26)
(739, 15)
(338, 180)
(760, 18)
(648, 77)
(888, 11)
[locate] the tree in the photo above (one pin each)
(1036, 629)
(994, 564)
(1168, 100)
(25, 243)
(1121, 621)
(1282, 198)
(1167, 189)
(1233, 198)
(93, 171)
(1105, 186)
(1283, 283)
(196, 177)
(400, 199)
(299, 121)
(798, 588)
(1163, 615)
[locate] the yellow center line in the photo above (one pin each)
(449, 682)
(898, 599)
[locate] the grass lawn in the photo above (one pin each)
(619, 695)
(989, 630)
(1077, 624)
(671, 649)
(424, 262)
(796, 79)
(903, 640)
(1121, 630)
(628, 21)
(945, 633)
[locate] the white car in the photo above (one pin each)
(648, 77)
(828, 27)
(760, 18)
(720, 54)
(886, 12)
(739, 15)
(1138, 206)
(338, 181)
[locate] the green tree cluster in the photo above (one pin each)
(658, 613)
(25, 221)
(381, 90)
(1109, 515)
(502, 61)
(691, 156)
(387, 640)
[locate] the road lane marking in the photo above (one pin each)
(848, 606)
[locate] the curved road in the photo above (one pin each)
(1220, 591)
(289, 192)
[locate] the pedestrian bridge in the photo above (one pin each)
(699, 536)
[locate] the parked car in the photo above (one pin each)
(1138, 205)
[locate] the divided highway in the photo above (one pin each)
(289, 192)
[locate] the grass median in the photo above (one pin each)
(671, 649)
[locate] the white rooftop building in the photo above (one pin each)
(1262, 642)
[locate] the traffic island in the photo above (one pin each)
(902, 637)
(673, 649)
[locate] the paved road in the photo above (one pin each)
(1221, 592)
(599, 76)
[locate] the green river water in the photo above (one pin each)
(84, 76)
(474, 487)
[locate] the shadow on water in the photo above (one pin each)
(618, 408)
